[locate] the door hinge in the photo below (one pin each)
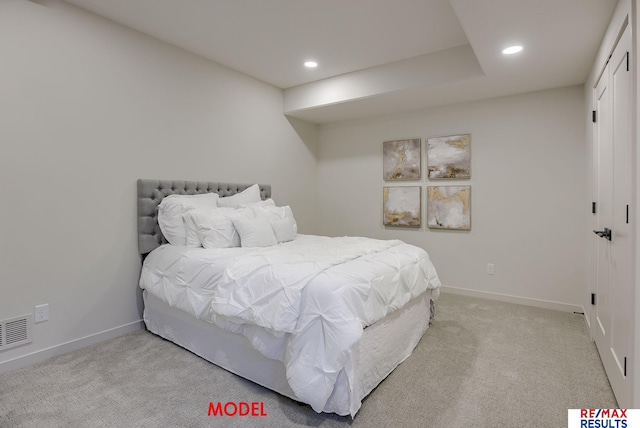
(627, 214)
(625, 366)
(627, 61)
(593, 207)
(593, 298)
(593, 116)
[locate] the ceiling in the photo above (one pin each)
(379, 56)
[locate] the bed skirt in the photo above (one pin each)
(383, 346)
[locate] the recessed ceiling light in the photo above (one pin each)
(310, 64)
(512, 50)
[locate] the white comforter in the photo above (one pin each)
(304, 302)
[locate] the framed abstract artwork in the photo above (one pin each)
(449, 207)
(401, 159)
(402, 206)
(449, 157)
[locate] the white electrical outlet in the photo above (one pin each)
(490, 268)
(42, 313)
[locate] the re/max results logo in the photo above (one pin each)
(603, 418)
(240, 408)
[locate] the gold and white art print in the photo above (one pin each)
(449, 157)
(449, 207)
(401, 159)
(402, 206)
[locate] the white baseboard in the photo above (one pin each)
(546, 304)
(63, 348)
(587, 322)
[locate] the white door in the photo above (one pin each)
(604, 197)
(613, 328)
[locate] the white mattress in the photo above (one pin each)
(383, 346)
(304, 303)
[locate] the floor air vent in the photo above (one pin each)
(15, 331)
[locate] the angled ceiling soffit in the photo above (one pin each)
(434, 69)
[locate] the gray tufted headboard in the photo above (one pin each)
(151, 192)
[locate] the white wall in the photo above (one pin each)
(528, 192)
(86, 108)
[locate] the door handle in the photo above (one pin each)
(606, 233)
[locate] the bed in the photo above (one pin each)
(320, 320)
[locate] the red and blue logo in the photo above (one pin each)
(603, 418)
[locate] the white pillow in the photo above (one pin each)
(248, 196)
(214, 227)
(281, 219)
(283, 229)
(266, 203)
(254, 230)
(171, 210)
(193, 240)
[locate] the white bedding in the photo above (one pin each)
(304, 302)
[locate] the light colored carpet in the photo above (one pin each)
(482, 363)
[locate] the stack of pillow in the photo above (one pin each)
(210, 221)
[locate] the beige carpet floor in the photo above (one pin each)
(482, 363)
